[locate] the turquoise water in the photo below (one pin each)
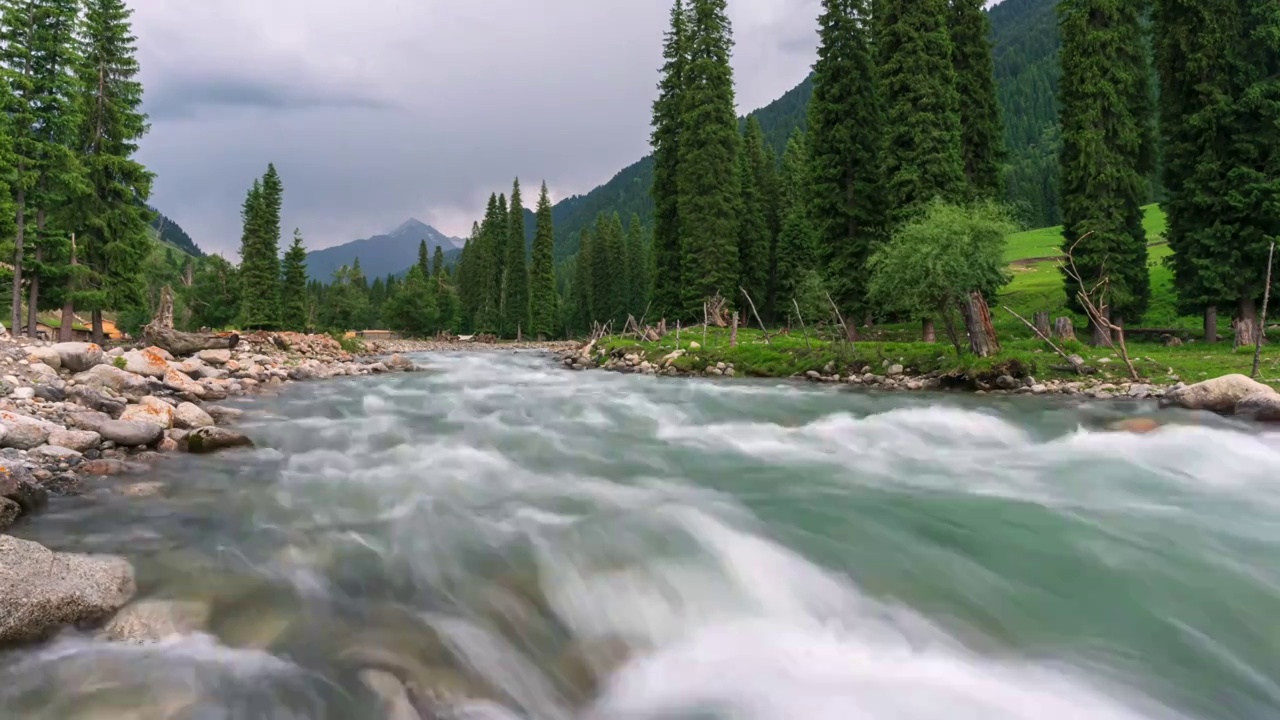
(515, 541)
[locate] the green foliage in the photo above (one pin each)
(757, 178)
(293, 286)
(934, 262)
(542, 277)
(437, 262)
(346, 305)
(639, 280)
(608, 280)
(351, 345)
(923, 158)
(795, 254)
(981, 141)
(666, 138)
(515, 281)
(1107, 148)
(119, 362)
(708, 160)
(214, 296)
(845, 151)
(412, 308)
(260, 253)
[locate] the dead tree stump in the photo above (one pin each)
(1064, 329)
(733, 330)
(977, 320)
(1042, 323)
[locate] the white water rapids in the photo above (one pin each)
(511, 540)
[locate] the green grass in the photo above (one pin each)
(1047, 242)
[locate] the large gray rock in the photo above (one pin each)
(181, 383)
(1264, 406)
(224, 415)
(55, 452)
(18, 485)
(41, 591)
(212, 439)
(215, 357)
(78, 356)
(78, 440)
(154, 620)
(96, 400)
(189, 416)
(45, 355)
(1220, 394)
(151, 410)
(146, 362)
(130, 433)
(102, 377)
(41, 373)
(23, 431)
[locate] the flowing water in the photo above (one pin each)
(510, 540)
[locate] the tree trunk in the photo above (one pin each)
(1042, 323)
(950, 325)
(33, 302)
(927, 332)
(1100, 332)
(15, 316)
(1211, 324)
(977, 322)
(1246, 323)
(1064, 329)
(68, 307)
(97, 327)
(733, 330)
(181, 343)
(868, 320)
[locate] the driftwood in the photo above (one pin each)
(763, 331)
(716, 311)
(183, 343)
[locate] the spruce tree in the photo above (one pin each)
(754, 239)
(437, 262)
(844, 148)
(708, 160)
(797, 238)
(1106, 149)
(542, 277)
(608, 284)
(981, 131)
(515, 284)
(668, 114)
(922, 146)
(424, 260)
(112, 242)
(582, 307)
(492, 230)
(260, 254)
(638, 280)
(293, 286)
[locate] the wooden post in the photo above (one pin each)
(677, 334)
(733, 330)
(1262, 323)
(1064, 329)
(704, 323)
(1042, 322)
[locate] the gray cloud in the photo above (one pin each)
(414, 107)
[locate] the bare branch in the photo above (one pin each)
(1036, 330)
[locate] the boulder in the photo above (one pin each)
(23, 393)
(55, 452)
(23, 431)
(403, 364)
(193, 367)
(1263, 406)
(17, 484)
(110, 467)
(189, 416)
(214, 390)
(215, 357)
(89, 420)
(224, 415)
(150, 409)
(130, 433)
(78, 440)
(1220, 394)
(78, 356)
(41, 590)
(212, 439)
(155, 620)
(146, 362)
(95, 400)
(43, 375)
(9, 512)
(46, 355)
(101, 377)
(181, 383)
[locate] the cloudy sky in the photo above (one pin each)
(389, 109)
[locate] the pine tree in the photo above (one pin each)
(582, 306)
(981, 131)
(492, 231)
(754, 239)
(708, 160)
(515, 284)
(1106, 149)
(437, 262)
(608, 291)
(37, 53)
(424, 259)
(922, 145)
(293, 286)
(542, 277)
(797, 239)
(668, 114)
(260, 253)
(638, 280)
(844, 144)
(113, 238)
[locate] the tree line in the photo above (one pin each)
(72, 196)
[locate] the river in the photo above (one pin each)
(592, 545)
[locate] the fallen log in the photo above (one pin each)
(183, 343)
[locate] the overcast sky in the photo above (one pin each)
(389, 109)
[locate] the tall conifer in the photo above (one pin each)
(542, 277)
(844, 144)
(981, 132)
(515, 282)
(668, 114)
(260, 253)
(293, 286)
(639, 282)
(754, 239)
(708, 160)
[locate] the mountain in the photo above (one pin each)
(381, 255)
(172, 233)
(1024, 34)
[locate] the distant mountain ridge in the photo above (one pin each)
(381, 255)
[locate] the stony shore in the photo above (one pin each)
(1227, 395)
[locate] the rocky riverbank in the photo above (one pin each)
(1227, 395)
